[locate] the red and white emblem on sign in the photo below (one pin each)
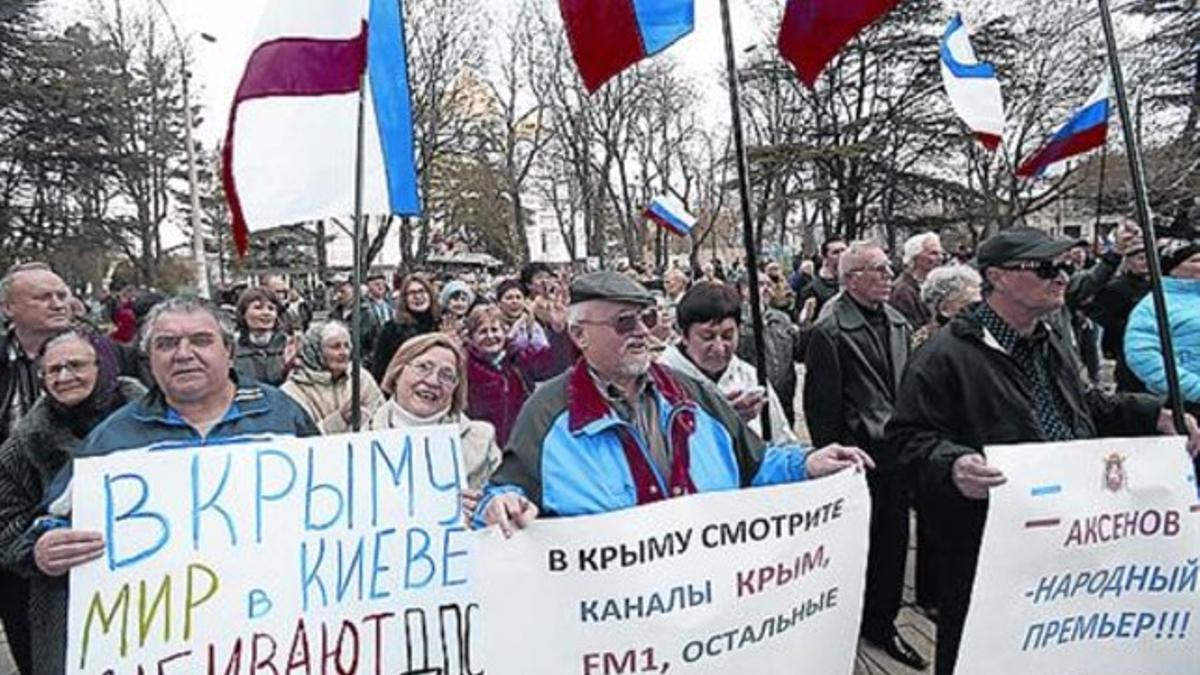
(1114, 473)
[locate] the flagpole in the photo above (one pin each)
(1134, 153)
(356, 275)
(1100, 195)
(748, 241)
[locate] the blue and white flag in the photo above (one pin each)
(972, 86)
(668, 212)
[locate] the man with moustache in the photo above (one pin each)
(615, 415)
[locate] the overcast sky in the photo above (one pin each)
(218, 66)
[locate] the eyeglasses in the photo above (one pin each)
(445, 376)
(71, 368)
(1044, 269)
(170, 343)
(627, 322)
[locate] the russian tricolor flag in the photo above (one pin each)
(814, 31)
(1086, 130)
(973, 87)
(608, 36)
(669, 213)
(290, 149)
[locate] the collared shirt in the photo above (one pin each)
(1032, 355)
(642, 415)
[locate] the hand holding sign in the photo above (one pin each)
(973, 477)
(511, 512)
(834, 458)
(57, 551)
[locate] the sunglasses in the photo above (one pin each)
(627, 322)
(1044, 269)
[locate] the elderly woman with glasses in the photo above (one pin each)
(79, 376)
(426, 384)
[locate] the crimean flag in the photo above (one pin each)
(608, 36)
(1086, 130)
(290, 149)
(814, 31)
(973, 87)
(670, 214)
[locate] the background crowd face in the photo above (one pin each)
(512, 303)
(458, 304)
(417, 298)
(39, 301)
(189, 359)
(488, 338)
(377, 288)
(69, 370)
(335, 350)
(1137, 264)
(261, 316)
(869, 276)
(930, 257)
(426, 384)
(712, 344)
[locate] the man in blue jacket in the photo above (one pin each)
(196, 401)
(617, 431)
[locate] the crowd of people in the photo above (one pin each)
(906, 377)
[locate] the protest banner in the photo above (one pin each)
(757, 581)
(338, 554)
(1088, 564)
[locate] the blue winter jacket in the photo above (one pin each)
(571, 454)
(257, 410)
(1142, 350)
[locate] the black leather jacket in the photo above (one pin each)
(850, 382)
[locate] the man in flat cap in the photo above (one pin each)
(617, 431)
(999, 373)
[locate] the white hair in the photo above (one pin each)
(332, 327)
(947, 282)
(852, 257)
(915, 245)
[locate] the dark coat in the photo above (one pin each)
(39, 446)
(850, 387)
(820, 288)
(1111, 308)
(393, 334)
(496, 392)
(262, 363)
(906, 298)
(962, 392)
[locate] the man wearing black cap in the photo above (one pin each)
(616, 418)
(999, 374)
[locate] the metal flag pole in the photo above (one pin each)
(1100, 195)
(356, 275)
(1134, 153)
(748, 241)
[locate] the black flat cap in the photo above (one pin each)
(1018, 244)
(609, 285)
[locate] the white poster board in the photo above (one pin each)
(764, 581)
(1089, 562)
(322, 555)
